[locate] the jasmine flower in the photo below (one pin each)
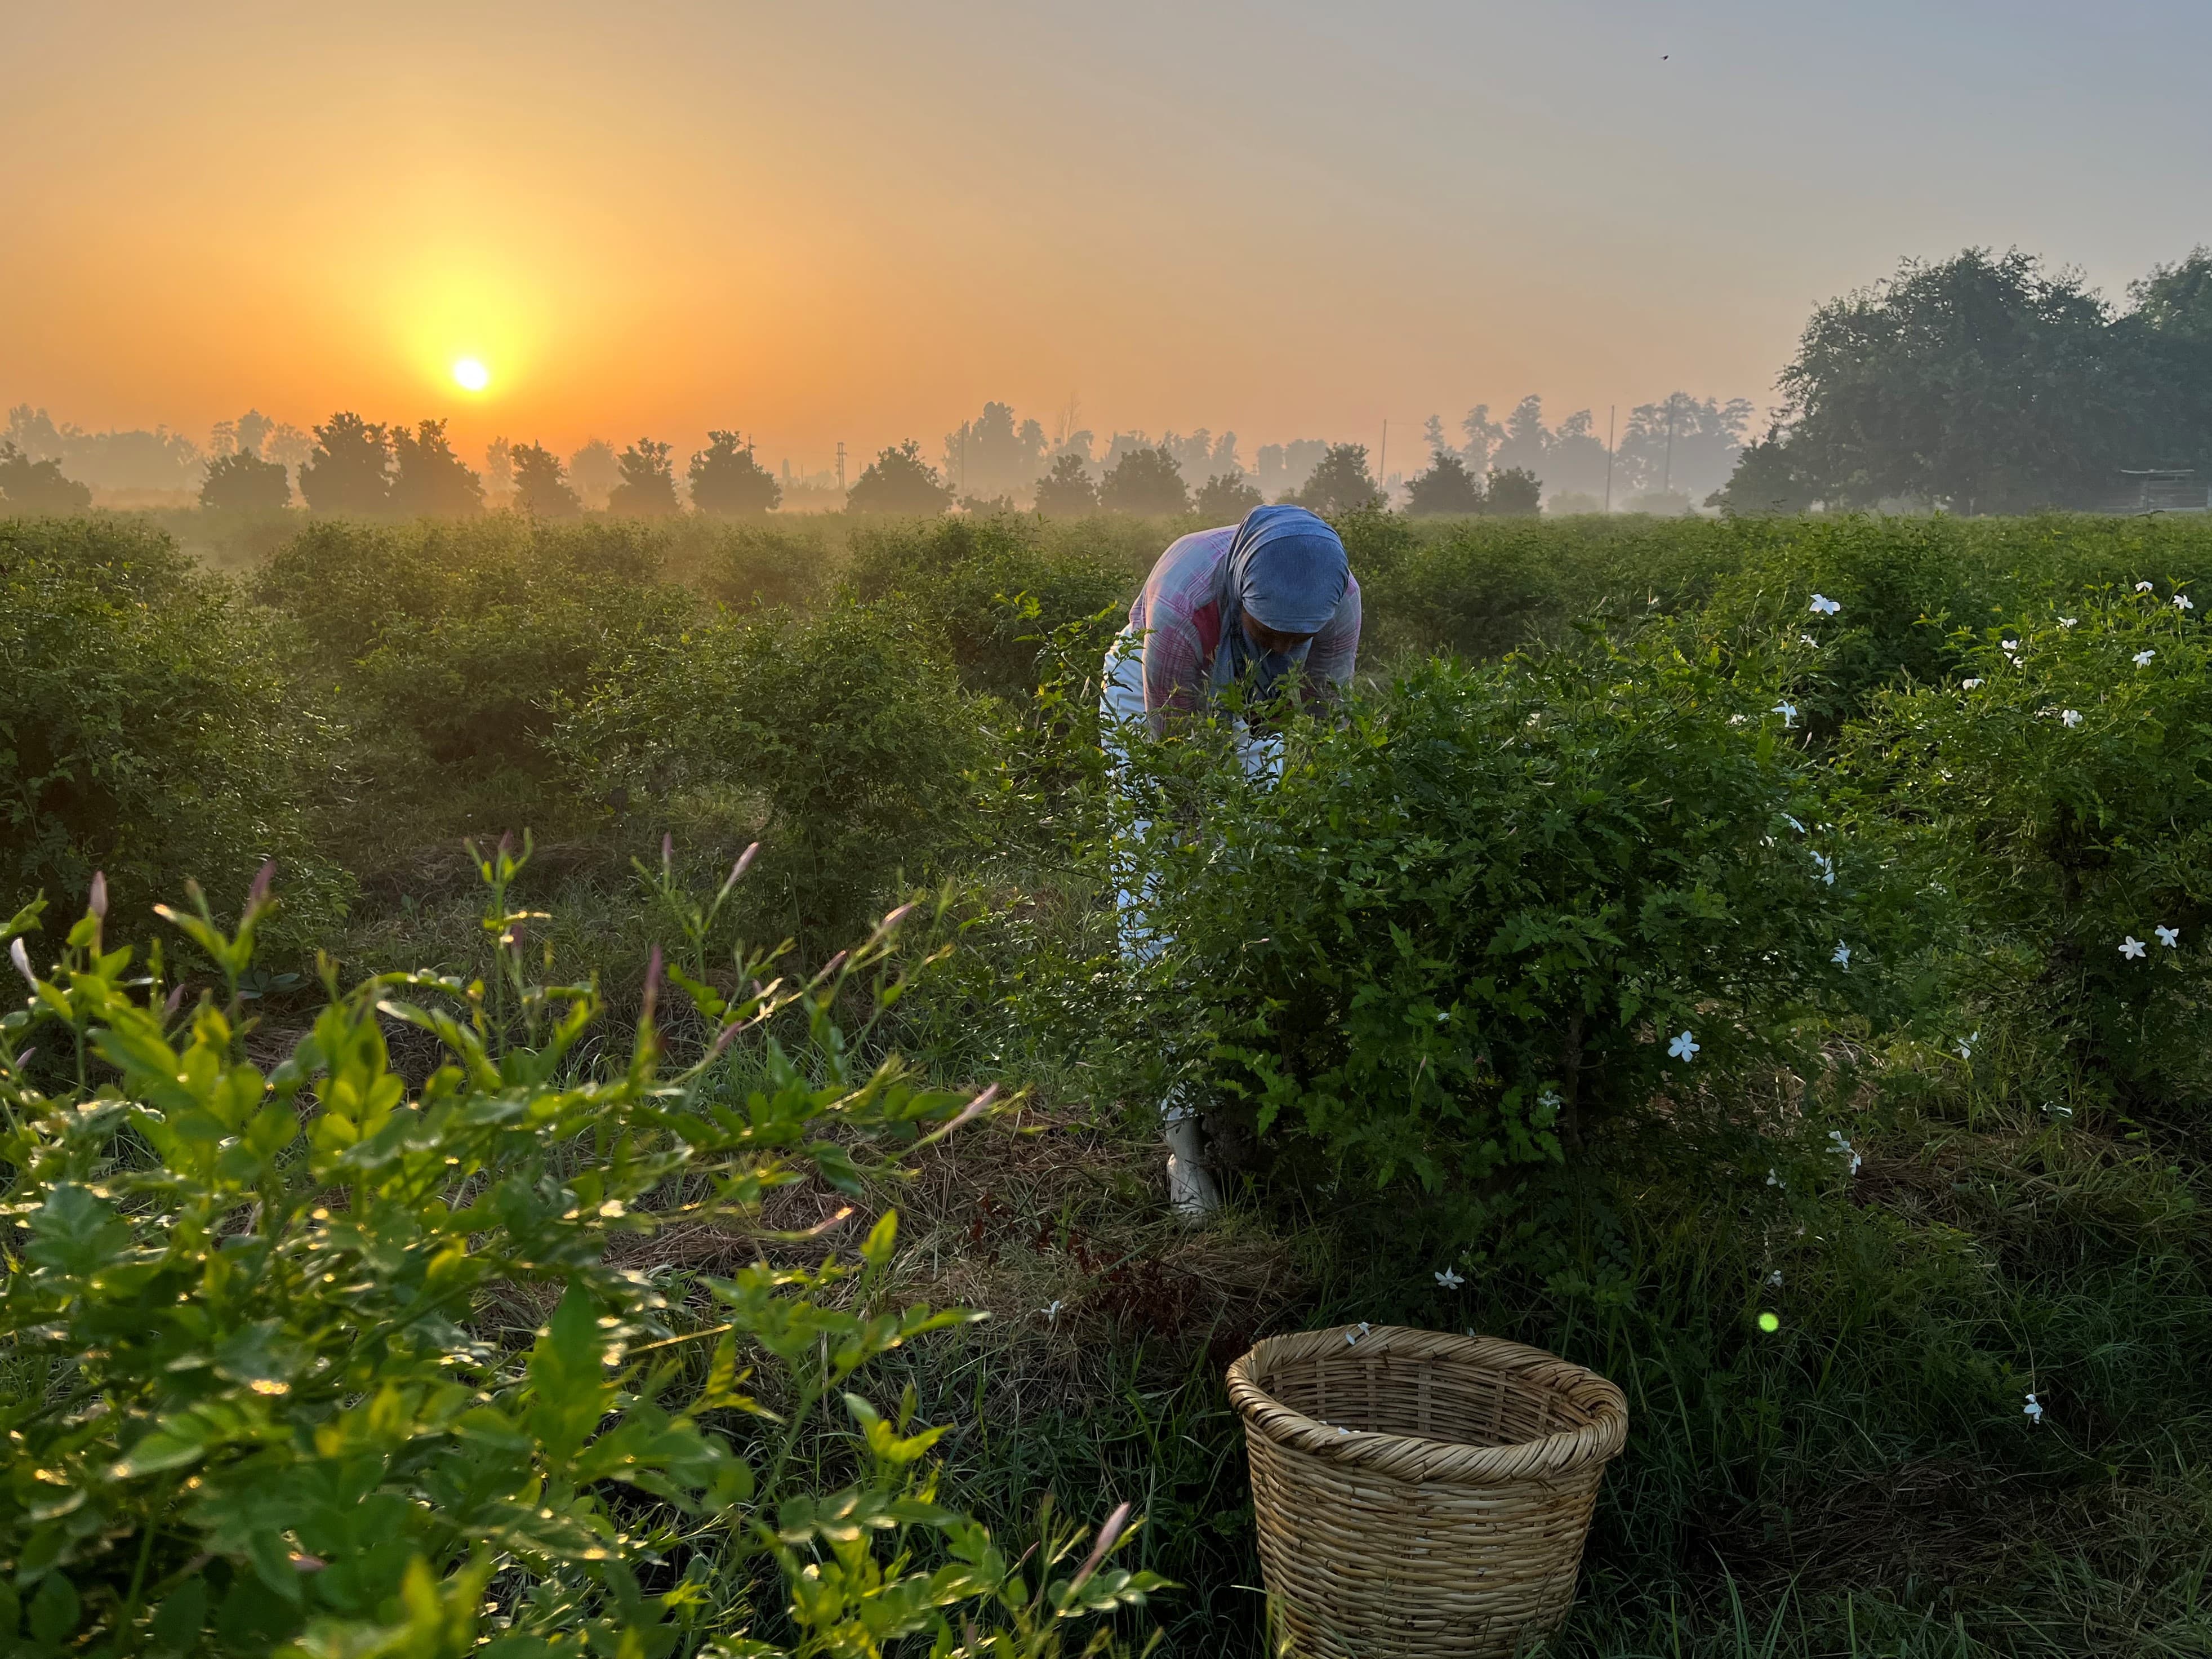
(2032, 1412)
(2143, 587)
(1846, 1149)
(2183, 602)
(1823, 606)
(1968, 685)
(2143, 657)
(2071, 718)
(1788, 710)
(1841, 956)
(2169, 937)
(1683, 1047)
(1450, 1280)
(2131, 948)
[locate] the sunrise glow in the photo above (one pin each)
(470, 376)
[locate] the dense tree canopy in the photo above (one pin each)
(899, 481)
(1146, 480)
(725, 478)
(1065, 491)
(430, 481)
(1340, 483)
(1514, 492)
(350, 470)
(647, 489)
(1225, 497)
(541, 487)
(29, 486)
(241, 481)
(1989, 384)
(1446, 487)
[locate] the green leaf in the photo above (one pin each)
(568, 1376)
(55, 1609)
(177, 1623)
(883, 1238)
(76, 1234)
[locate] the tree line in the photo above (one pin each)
(1991, 384)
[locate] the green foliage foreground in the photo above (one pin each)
(1589, 799)
(256, 1400)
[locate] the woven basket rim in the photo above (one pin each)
(1410, 1457)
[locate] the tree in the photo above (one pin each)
(595, 472)
(29, 486)
(1514, 493)
(1146, 480)
(1340, 483)
(241, 481)
(1225, 497)
(647, 489)
(1986, 384)
(350, 470)
(725, 478)
(1766, 482)
(990, 456)
(1446, 487)
(432, 481)
(541, 489)
(2176, 299)
(899, 481)
(1684, 445)
(1065, 491)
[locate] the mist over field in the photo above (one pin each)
(706, 972)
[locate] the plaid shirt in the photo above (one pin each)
(1175, 616)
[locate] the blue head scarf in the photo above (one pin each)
(1286, 570)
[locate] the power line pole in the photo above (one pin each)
(1609, 457)
(840, 466)
(1382, 464)
(1667, 479)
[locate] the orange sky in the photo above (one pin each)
(858, 222)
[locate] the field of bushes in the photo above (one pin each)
(1766, 961)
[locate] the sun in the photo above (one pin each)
(470, 376)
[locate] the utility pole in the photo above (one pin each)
(1382, 464)
(840, 466)
(1609, 457)
(1666, 478)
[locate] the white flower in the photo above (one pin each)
(2071, 718)
(2008, 645)
(2169, 937)
(1788, 710)
(2131, 947)
(1450, 1280)
(1735, 720)
(2183, 602)
(1683, 1047)
(1828, 867)
(2032, 1412)
(1549, 1099)
(1845, 1149)
(21, 958)
(2068, 621)
(1966, 1046)
(1052, 1310)
(1351, 1339)
(1774, 1279)
(2143, 587)
(1774, 1180)
(1841, 956)
(1823, 606)
(1806, 639)
(1968, 685)
(2143, 657)
(1793, 823)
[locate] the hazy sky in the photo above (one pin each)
(858, 222)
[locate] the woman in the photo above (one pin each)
(1257, 606)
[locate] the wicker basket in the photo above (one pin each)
(1421, 1495)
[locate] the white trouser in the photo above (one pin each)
(1121, 713)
